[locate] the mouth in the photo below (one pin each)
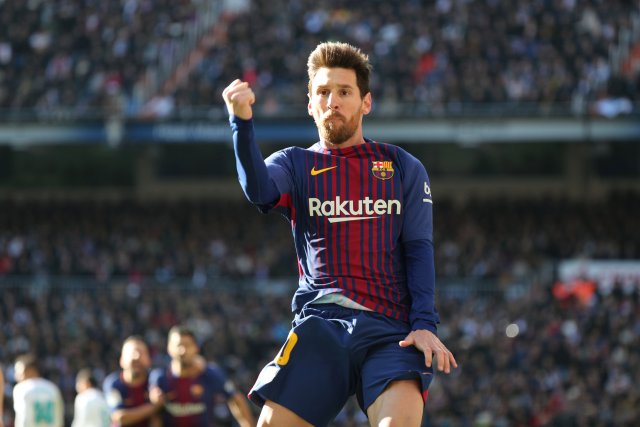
(334, 117)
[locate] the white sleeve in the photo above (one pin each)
(59, 409)
(19, 405)
(78, 416)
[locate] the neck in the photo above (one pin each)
(131, 377)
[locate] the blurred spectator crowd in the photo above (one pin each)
(202, 241)
(83, 53)
(437, 57)
(529, 360)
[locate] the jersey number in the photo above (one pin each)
(283, 356)
(43, 412)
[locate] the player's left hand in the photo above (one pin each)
(428, 343)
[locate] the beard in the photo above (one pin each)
(335, 129)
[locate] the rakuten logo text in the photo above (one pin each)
(353, 210)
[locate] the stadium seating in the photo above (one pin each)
(74, 271)
(444, 57)
(202, 241)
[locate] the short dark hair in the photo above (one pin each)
(341, 55)
(183, 331)
(85, 375)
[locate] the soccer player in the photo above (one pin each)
(191, 387)
(90, 406)
(1, 397)
(127, 392)
(361, 215)
(37, 402)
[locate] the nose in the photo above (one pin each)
(332, 102)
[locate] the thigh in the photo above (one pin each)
(311, 375)
(274, 415)
(400, 404)
(387, 362)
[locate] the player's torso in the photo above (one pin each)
(40, 400)
(191, 400)
(126, 396)
(134, 396)
(349, 210)
(94, 411)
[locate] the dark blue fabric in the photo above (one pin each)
(252, 171)
(338, 352)
(421, 279)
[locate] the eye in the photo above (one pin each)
(344, 92)
(323, 92)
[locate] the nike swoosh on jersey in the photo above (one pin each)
(315, 172)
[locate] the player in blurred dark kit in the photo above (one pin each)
(1, 397)
(37, 402)
(192, 388)
(127, 391)
(361, 215)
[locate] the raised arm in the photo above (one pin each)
(253, 174)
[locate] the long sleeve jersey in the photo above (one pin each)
(361, 219)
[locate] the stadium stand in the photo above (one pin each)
(568, 364)
(443, 57)
(74, 272)
(205, 241)
(437, 57)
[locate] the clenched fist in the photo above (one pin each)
(239, 97)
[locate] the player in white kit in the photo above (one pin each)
(90, 408)
(37, 402)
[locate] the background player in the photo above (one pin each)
(37, 402)
(191, 388)
(127, 391)
(90, 408)
(1, 397)
(361, 214)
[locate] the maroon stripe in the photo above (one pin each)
(375, 272)
(364, 231)
(345, 256)
(391, 185)
(317, 254)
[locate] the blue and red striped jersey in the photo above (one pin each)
(361, 219)
(120, 395)
(350, 210)
(191, 401)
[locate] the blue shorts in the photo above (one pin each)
(333, 352)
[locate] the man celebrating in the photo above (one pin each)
(361, 214)
(127, 392)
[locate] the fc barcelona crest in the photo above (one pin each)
(382, 169)
(196, 390)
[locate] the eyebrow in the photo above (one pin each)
(341, 86)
